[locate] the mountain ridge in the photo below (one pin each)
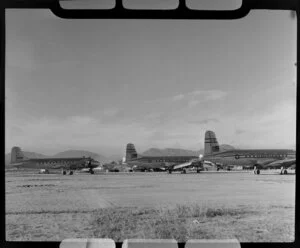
(180, 152)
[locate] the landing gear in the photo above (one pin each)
(170, 171)
(198, 171)
(64, 172)
(256, 171)
(92, 171)
(184, 171)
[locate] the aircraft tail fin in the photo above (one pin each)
(131, 153)
(17, 155)
(211, 144)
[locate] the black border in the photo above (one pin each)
(119, 12)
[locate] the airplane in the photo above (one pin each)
(256, 158)
(150, 163)
(19, 160)
(164, 163)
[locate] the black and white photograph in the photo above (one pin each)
(149, 128)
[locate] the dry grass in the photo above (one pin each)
(182, 222)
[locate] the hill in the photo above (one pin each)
(114, 157)
(225, 147)
(180, 152)
(169, 152)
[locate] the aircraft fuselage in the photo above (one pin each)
(251, 157)
(57, 163)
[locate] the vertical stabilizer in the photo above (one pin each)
(131, 153)
(16, 155)
(211, 144)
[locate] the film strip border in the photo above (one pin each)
(181, 12)
(148, 243)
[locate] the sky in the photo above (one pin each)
(97, 85)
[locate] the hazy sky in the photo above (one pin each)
(100, 84)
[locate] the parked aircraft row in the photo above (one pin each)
(213, 159)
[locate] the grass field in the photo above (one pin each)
(242, 206)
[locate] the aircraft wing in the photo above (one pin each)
(100, 168)
(186, 164)
(147, 167)
(179, 166)
(286, 163)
